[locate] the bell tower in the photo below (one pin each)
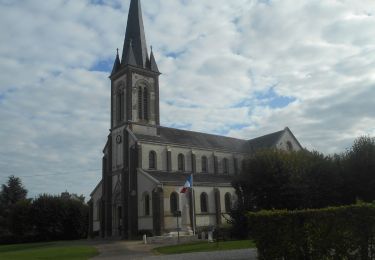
(134, 108)
(135, 78)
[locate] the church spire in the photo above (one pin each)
(135, 34)
(117, 64)
(153, 65)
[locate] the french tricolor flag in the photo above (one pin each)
(188, 184)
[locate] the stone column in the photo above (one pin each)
(185, 215)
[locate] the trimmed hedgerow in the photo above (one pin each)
(346, 232)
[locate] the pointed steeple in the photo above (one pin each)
(153, 65)
(130, 57)
(117, 64)
(135, 32)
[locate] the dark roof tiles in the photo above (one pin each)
(116, 64)
(209, 141)
(135, 33)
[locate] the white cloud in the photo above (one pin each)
(216, 57)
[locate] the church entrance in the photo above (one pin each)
(119, 220)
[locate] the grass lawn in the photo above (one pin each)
(205, 246)
(51, 250)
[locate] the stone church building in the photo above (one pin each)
(146, 164)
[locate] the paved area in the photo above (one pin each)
(242, 254)
(118, 250)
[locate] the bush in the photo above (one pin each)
(58, 218)
(346, 232)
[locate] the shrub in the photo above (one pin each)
(346, 232)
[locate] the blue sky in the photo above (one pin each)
(240, 68)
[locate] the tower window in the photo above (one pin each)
(204, 199)
(145, 104)
(228, 202)
(140, 108)
(181, 162)
(174, 202)
(152, 160)
(204, 164)
(225, 166)
(120, 106)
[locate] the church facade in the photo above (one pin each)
(145, 164)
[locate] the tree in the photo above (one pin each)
(275, 179)
(12, 192)
(19, 221)
(59, 218)
(359, 171)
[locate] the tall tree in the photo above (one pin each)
(12, 192)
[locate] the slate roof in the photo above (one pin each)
(116, 64)
(209, 141)
(135, 33)
(199, 179)
(265, 141)
(153, 66)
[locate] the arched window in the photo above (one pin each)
(204, 164)
(98, 209)
(140, 108)
(152, 160)
(228, 205)
(120, 106)
(174, 202)
(289, 146)
(235, 164)
(181, 162)
(204, 206)
(145, 104)
(225, 166)
(147, 204)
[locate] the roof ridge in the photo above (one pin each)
(277, 132)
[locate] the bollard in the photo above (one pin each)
(145, 239)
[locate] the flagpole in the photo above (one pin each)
(193, 203)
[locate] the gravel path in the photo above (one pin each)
(119, 250)
(116, 250)
(241, 254)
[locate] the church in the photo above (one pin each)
(145, 165)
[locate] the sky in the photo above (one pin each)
(242, 68)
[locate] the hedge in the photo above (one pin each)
(346, 232)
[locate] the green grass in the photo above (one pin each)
(53, 250)
(205, 247)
